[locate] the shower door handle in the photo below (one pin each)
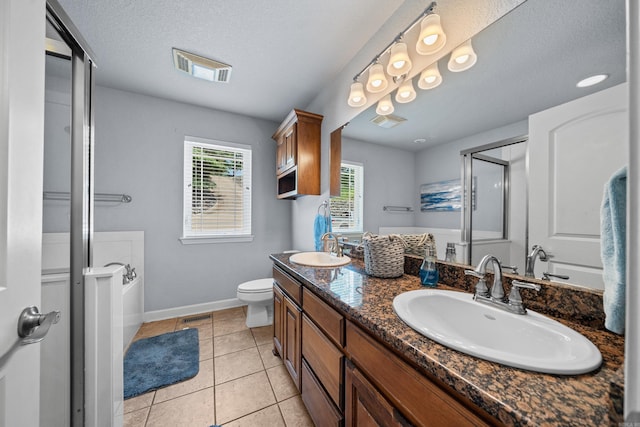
(33, 326)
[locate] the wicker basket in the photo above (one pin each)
(383, 255)
(417, 243)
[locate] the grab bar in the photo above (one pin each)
(98, 197)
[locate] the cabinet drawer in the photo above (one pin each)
(322, 411)
(421, 400)
(330, 321)
(289, 285)
(323, 357)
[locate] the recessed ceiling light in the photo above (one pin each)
(593, 80)
(419, 141)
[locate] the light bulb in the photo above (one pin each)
(430, 77)
(406, 92)
(377, 80)
(430, 39)
(462, 59)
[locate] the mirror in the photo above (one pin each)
(528, 61)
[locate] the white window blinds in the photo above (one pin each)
(217, 189)
(347, 210)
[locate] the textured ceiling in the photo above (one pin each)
(528, 61)
(282, 51)
(285, 52)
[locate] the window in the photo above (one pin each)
(346, 210)
(217, 191)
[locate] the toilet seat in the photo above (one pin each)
(256, 286)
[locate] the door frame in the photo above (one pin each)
(82, 190)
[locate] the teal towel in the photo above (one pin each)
(613, 250)
(321, 225)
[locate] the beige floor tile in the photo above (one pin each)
(137, 418)
(243, 396)
(195, 409)
(294, 413)
(263, 335)
(229, 326)
(139, 402)
(229, 313)
(206, 349)
(281, 383)
(159, 327)
(203, 380)
(238, 364)
(205, 332)
(267, 417)
(230, 343)
(268, 358)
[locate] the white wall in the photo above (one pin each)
(139, 151)
(388, 175)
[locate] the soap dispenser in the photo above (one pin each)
(429, 269)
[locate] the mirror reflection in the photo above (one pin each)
(529, 62)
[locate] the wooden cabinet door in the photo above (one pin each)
(292, 354)
(291, 143)
(281, 154)
(365, 406)
(278, 310)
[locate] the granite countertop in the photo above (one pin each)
(511, 395)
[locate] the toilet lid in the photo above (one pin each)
(259, 285)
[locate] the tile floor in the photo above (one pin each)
(240, 382)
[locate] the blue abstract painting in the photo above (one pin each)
(443, 196)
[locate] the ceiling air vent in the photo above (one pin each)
(388, 121)
(201, 67)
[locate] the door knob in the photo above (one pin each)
(33, 326)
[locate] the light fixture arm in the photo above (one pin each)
(429, 10)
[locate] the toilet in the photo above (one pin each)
(258, 295)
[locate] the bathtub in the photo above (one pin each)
(132, 309)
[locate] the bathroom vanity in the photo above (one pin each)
(356, 363)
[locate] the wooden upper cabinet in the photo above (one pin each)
(298, 155)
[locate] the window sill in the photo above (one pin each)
(205, 240)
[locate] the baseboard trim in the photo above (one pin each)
(188, 310)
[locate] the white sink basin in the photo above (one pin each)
(531, 341)
(319, 259)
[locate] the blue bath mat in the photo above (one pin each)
(152, 363)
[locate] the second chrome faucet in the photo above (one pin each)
(496, 295)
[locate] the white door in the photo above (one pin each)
(22, 32)
(574, 149)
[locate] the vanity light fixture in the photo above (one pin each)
(430, 78)
(399, 61)
(385, 106)
(406, 92)
(462, 58)
(432, 37)
(592, 80)
(357, 97)
(377, 80)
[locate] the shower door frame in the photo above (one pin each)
(82, 189)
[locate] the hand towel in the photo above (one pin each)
(321, 225)
(613, 250)
(319, 228)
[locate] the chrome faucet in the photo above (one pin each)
(497, 290)
(130, 273)
(536, 252)
(495, 296)
(333, 247)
